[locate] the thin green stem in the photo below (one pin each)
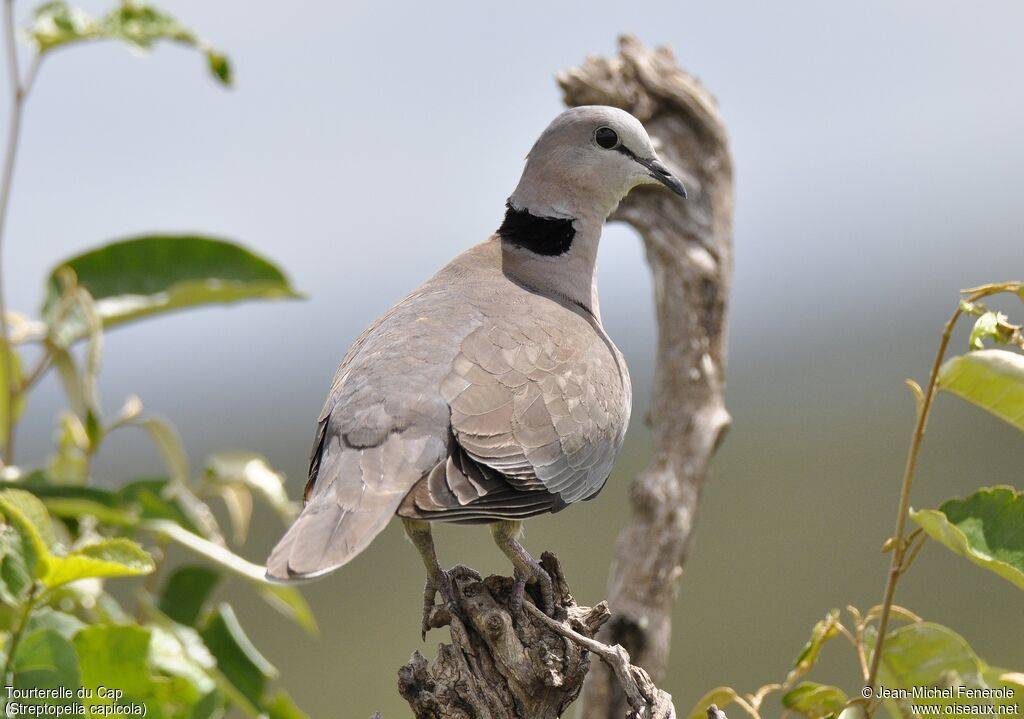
(30, 604)
(13, 131)
(899, 551)
(36, 374)
(19, 91)
(914, 546)
(152, 581)
(904, 552)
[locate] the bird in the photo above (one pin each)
(492, 393)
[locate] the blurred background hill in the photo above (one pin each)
(879, 153)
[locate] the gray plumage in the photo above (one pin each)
(492, 392)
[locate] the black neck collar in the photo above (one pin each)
(548, 236)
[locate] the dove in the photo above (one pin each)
(492, 393)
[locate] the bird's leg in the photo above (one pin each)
(438, 580)
(527, 569)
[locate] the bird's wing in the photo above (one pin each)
(383, 427)
(463, 491)
(541, 401)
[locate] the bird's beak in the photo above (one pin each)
(656, 170)
(660, 173)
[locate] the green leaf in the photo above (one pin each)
(45, 487)
(47, 660)
(143, 25)
(286, 600)
(238, 499)
(7, 413)
(72, 501)
(185, 593)
(209, 707)
(155, 500)
(56, 24)
(117, 557)
(990, 379)
(237, 658)
(719, 696)
(15, 573)
(179, 651)
(814, 700)
(822, 632)
(159, 273)
(220, 66)
(34, 511)
(996, 677)
(66, 625)
(116, 657)
(986, 527)
(77, 508)
(236, 476)
(139, 25)
(931, 655)
(168, 442)
(283, 707)
(993, 326)
(109, 558)
(69, 463)
(33, 547)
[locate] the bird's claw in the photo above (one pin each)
(461, 571)
(537, 575)
(447, 586)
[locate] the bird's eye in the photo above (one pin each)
(606, 137)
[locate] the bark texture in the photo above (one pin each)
(689, 249)
(505, 663)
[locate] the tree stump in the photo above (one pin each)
(508, 664)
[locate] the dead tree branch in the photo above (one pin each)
(504, 664)
(689, 249)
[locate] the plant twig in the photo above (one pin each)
(19, 92)
(12, 649)
(914, 547)
(903, 553)
(900, 548)
(13, 132)
(44, 363)
(641, 693)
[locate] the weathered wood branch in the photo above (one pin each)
(508, 664)
(689, 249)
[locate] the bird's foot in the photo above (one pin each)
(446, 585)
(536, 574)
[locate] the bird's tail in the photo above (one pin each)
(326, 536)
(354, 495)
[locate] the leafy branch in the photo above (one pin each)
(983, 527)
(902, 545)
(57, 25)
(61, 537)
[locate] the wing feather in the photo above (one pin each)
(544, 403)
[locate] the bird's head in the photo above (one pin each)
(586, 161)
